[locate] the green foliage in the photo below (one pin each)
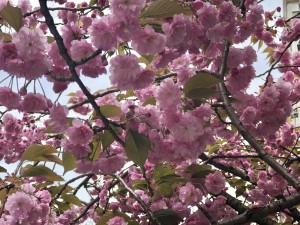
(72, 199)
(96, 147)
(199, 171)
(41, 153)
(69, 161)
(164, 9)
(140, 185)
(110, 111)
(5, 37)
(200, 85)
(2, 170)
(150, 101)
(107, 139)
(93, 2)
(167, 217)
(13, 16)
(136, 147)
(36, 171)
(166, 180)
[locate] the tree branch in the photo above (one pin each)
(139, 200)
(256, 214)
(71, 64)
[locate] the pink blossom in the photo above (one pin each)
(207, 15)
(10, 122)
(248, 115)
(58, 118)
(78, 150)
(168, 94)
(176, 31)
(190, 195)
(102, 34)
(147, 41)
(19, 205)
(187, 129)
(123, 7)
(125, 70)
(145, 78)
(9, 99)
(30, 43)
(215, 182)
(79, 133)
(111, 165)
(25, 6)
(117, 220)
(34, 103)
(125, 26)
(80, 49)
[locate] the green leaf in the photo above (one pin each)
(2, 170)
(93, 2)
(146, 59)
(96, 147)
(62, 206)
(260, 44)
(171, 179)
(42, 171)
(136, 147)
(54, 190)
(5, 37)
(69, 161)
(107, 139)
(109, 215)
(167, 217)
(52, 158)
(70, 198)
(110, 111)
(164, 8)
(240, 191)
(150, 101)
(201, 80)
(50, 39)
(165, 190)
(38, 153)
(123, 96)
(199, 171)
(161, 170)
(3, 196)
(140, 184)
(13, 16)
(200, 93)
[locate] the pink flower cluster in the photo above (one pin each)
(27, 103)
(16, 135)
(28, 208)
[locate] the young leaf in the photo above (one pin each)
(42, 171)
(201, 80)
(5, 37)
(69, 161)
(38, 152)
(107, 139)
(70, 198)
(163, 9)
(200, 93)
(167, 217)
(199, 171)
(136, 147)
(2, 170)
(13, 16)
(110, 110)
